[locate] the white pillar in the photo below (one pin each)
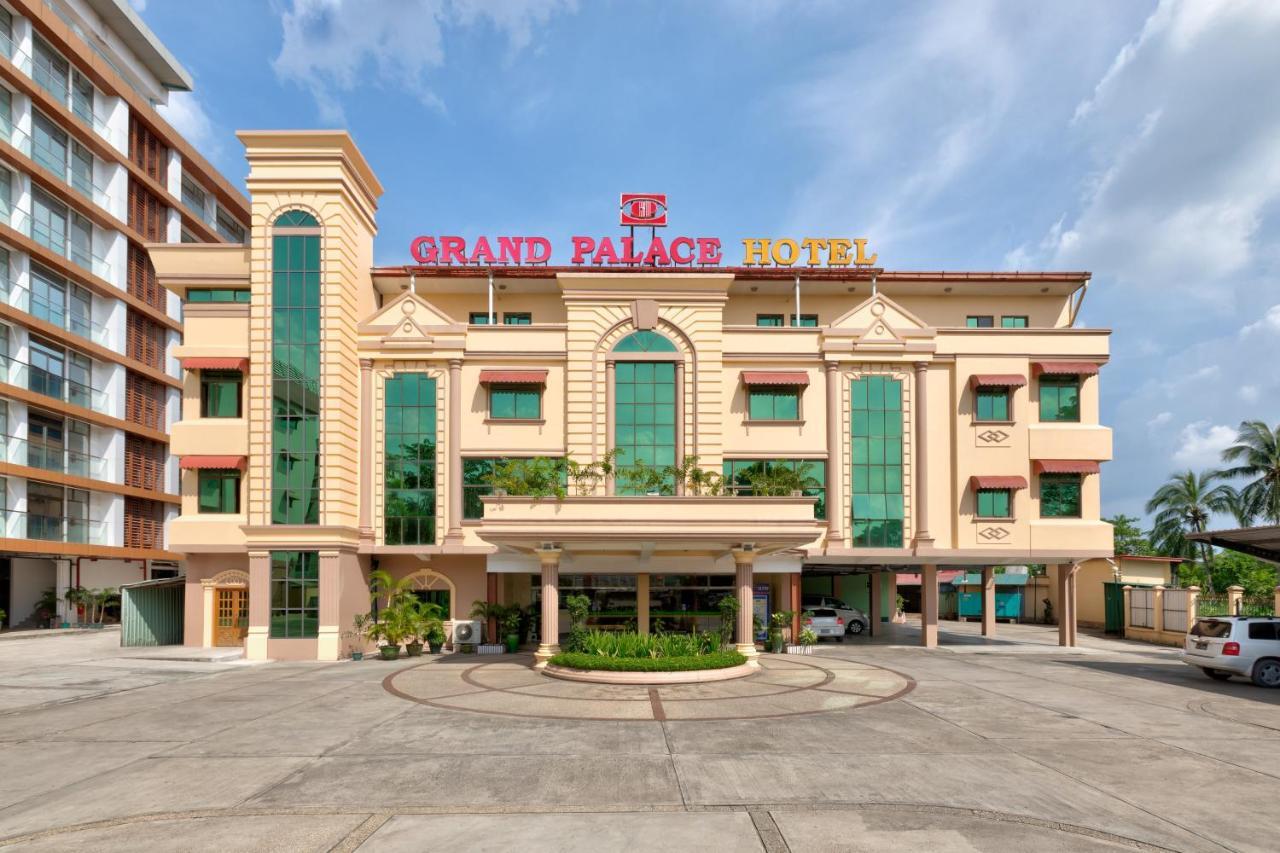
(549, 634)
(743, 561)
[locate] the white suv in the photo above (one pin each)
(855, 621)
(1224, 646)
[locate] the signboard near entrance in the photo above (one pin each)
(760, 609)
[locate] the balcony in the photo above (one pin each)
(59, 244)
(214, 436)
(49, 456)
(37, 306)
(1074, 538)
(52, 528)
(44, 382)
(643, 526)
(1070, 441)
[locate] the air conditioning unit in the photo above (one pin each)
(468, 633)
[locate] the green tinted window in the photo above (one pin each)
(993, 503)
(295, 371)
(410, 456)
(769, 320)
(645, 414)
(1060, 398)
(220, 393)
(744, 476)
(980, 322)
(523, 402)
(1009, 322)
(296, 219)
(645, 341)
(295, 594)
(876, 445)
(1060, 495)
(219, 491)
(807, 321)
(479, 318)
(517, 318)
(216, 295)
(993, 404)
(477, 481)
(773, 404)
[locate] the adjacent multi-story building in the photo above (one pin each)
(90, 384)
(342, 418)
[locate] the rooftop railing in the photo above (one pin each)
(53, 528)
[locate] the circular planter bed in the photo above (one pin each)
(720, 666)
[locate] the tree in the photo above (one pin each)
(1256, 576)
(1257, 455)
(1129, 537)
(1184, 504)
(1238, 506)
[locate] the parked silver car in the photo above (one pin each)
(1224, 646)
(855, 621)
(824, 622)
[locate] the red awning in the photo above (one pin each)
(997, 380)
(215, 363)
(513, 377)
(213, 462)
(775, 377)
(1065, 368)
(992, 481)
(1065, 466)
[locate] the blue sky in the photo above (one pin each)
(1137, 140)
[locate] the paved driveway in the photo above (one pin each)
(1015, 746)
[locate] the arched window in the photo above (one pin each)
(644, 411)
(645, 341)
(295, 369)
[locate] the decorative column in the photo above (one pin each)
(1064, 604)
(988, 601)
(329, 636)
(1157, 609)
(610, 395)
(876, 599)
(642, 603)
(920, 500)
(454, 512)
(795, 607)
(835, 459)
(209, 609)
(549, 633)
(679, 395)
(1193, 602)
(1235, 596)
(255, 642)
(929, 606)
(1125, 592)
(367, 421)
(1276, 608)
(1074, 599)
(743, 561)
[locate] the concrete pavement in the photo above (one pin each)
(997, 747)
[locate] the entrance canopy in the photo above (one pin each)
(617, 533)
(1260, 542)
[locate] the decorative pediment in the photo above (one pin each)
(879, 323)
(409, 320)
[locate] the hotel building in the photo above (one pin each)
(340, 418)
(89, 380)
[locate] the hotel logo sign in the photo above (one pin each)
(645, 209)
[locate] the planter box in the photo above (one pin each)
(490, 649)
(799, 650)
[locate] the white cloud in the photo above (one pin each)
(188, 117)
(1160, 420)
(1249, 393)
(1270, 322)
(335, 46)
(1200, 444)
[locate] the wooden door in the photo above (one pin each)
(231, 619)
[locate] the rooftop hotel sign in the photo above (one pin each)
(657, 251)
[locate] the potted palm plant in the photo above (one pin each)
(435, 636)
(509, 623)
(778, 621)
(486, 611)
(359, 627)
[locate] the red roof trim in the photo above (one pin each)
(1065, 368)
(1066, 466)
(215, 363)
(224, 463)
(997, 380)
(995, 481)
(513, 377)
(793, 378)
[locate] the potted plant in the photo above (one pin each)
(487, 612)
(424, 621)
(435, 636)
(359, 626)
(77, 599)
(779, 622)
(900, 614)
(807, 640)
(509, 623)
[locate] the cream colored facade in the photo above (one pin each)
(377, 323)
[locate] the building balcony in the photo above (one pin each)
(42, 381)
(207, 532)
(27, 302)
(52, 528)
(650, 526)
(1070, 441)
(60, 243)
(1071, 537)
(48, 456)
(212, 436)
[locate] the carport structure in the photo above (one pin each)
(1261, 542)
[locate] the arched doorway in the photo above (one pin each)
(226, 608)
(432, 587)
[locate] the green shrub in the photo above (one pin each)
(616, 644)
(714, 660)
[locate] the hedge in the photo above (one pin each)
(715, 660)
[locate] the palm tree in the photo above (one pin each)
(1238, 506)
(1257, 455)
(1184, 504)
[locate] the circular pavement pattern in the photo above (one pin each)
(785, 686)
